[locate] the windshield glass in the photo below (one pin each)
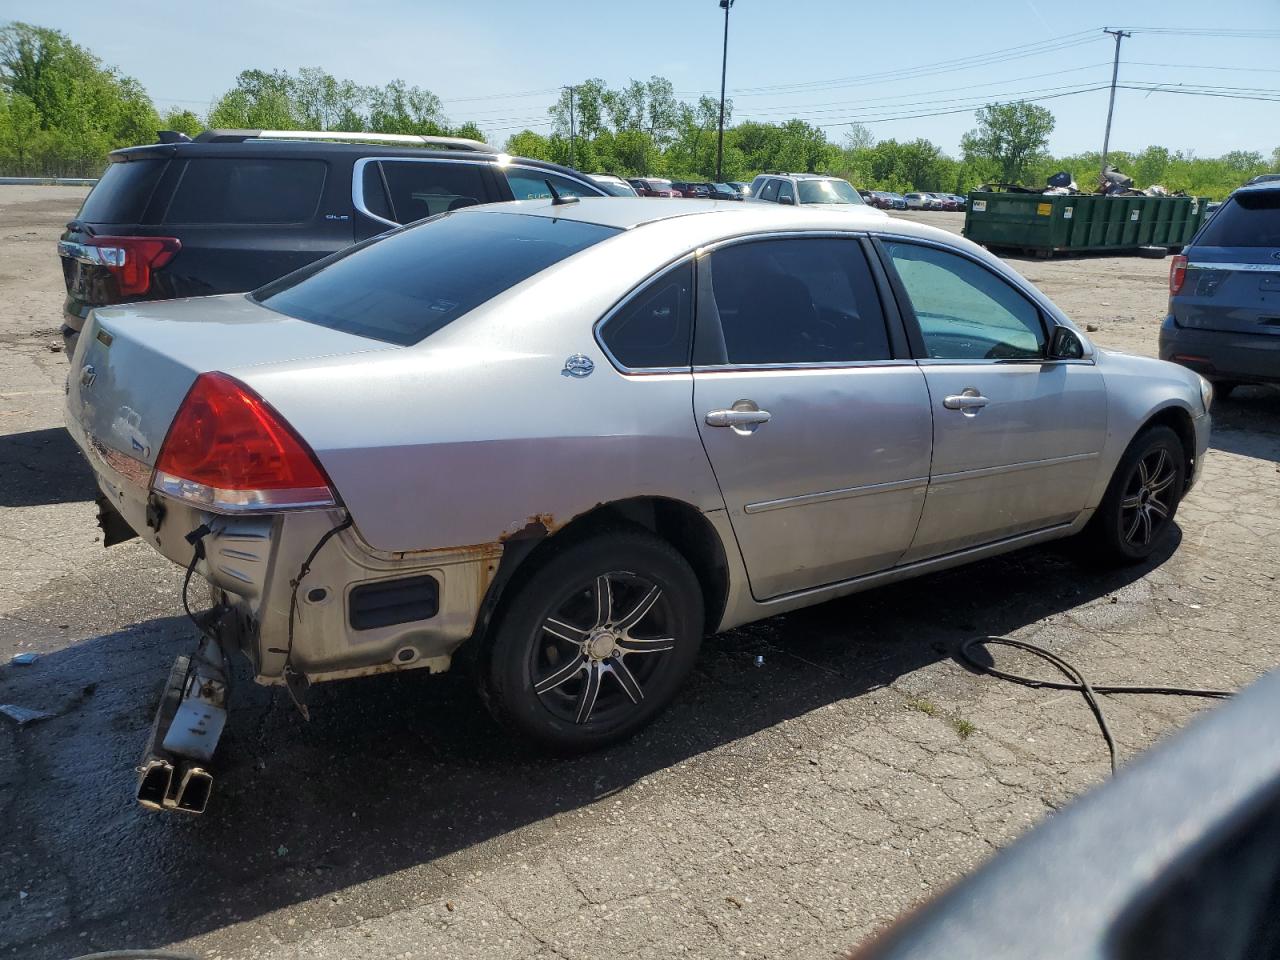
(828, 191)
(406, 285)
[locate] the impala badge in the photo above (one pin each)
(578, 366)
(88, 375)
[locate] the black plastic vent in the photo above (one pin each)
(394, 601)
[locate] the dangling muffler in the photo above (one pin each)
(185, 733)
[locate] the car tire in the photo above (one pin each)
(585, 654)
(1141, 500)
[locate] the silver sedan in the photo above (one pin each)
(577, 436)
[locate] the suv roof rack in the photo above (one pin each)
(421, 140)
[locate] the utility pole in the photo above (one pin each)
(572, 128)
(724, 65)
(1115, 71)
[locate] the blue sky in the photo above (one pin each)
(831, 58)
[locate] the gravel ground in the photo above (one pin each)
(788, 809)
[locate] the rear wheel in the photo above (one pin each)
(595, 643)
(1142, 498)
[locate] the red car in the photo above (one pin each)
(944, 201)
(653, 187)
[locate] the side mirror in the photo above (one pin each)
(1065, 345)
(788, 201)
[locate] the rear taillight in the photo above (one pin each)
(228, 451)
(131, 259)
(1177, 274)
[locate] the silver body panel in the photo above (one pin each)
(443, 450)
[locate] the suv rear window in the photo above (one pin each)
(1249, 219)
(247, 190)
(405, 285)
(122, 194)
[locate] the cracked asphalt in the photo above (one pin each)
(788, 809)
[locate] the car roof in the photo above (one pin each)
(1265, 185)
(727, 216)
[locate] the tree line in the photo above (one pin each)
(62, 110)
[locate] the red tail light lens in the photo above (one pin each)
(131, 259)
(1177, 273)
(228, 451)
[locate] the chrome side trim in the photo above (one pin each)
(801, 367)
(1240, 267)
(844, 493)
(1011, 468)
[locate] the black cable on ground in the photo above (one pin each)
(1077, 681)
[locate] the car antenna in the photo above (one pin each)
(556, 199)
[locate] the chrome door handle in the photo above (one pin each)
(738, 418)
(966, 401)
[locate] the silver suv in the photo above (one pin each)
(805, 189)
(575, 437)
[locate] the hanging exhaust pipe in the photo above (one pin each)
(192, 795)
(185, 733)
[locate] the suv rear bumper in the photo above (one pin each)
(1222, 355)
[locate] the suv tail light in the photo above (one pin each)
(1177, 274)
(131, 259)
(228, 451)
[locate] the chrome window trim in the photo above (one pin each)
(843, 493)
(802, 367)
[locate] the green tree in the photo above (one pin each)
(1011, 136)
(183, 121)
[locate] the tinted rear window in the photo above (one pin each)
(122, 194)
(247, 190)
(1249, 219)
(406, 285)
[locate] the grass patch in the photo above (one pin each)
(963, 728)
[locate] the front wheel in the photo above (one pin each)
(1142, 498)
(595, 643)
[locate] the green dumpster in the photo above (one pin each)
(1056, 223)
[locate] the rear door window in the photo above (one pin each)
(247, 190)
(407, 284)
(423, 188)
(121, 195)
(1249, 219)
(528, 184)
(802, 300)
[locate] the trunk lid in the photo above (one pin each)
(1232, 283)
(134, 365)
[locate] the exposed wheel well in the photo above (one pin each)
(1180, 422)
(679, 524)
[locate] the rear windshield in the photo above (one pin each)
(247, 190)
(406, 285)
(1249, 219)
(122, 194)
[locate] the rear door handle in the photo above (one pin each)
(738, 418)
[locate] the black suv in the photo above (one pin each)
(234, 209)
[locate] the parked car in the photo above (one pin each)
(652, 187)
(743, 188)
(723, 191)
(944, 201)
(613, 185)
(234, 209)
(770, 466)
(805, 189)
(886, 200)
(962, 203)
(691, 191)
(919, 201)
(1224, 293)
